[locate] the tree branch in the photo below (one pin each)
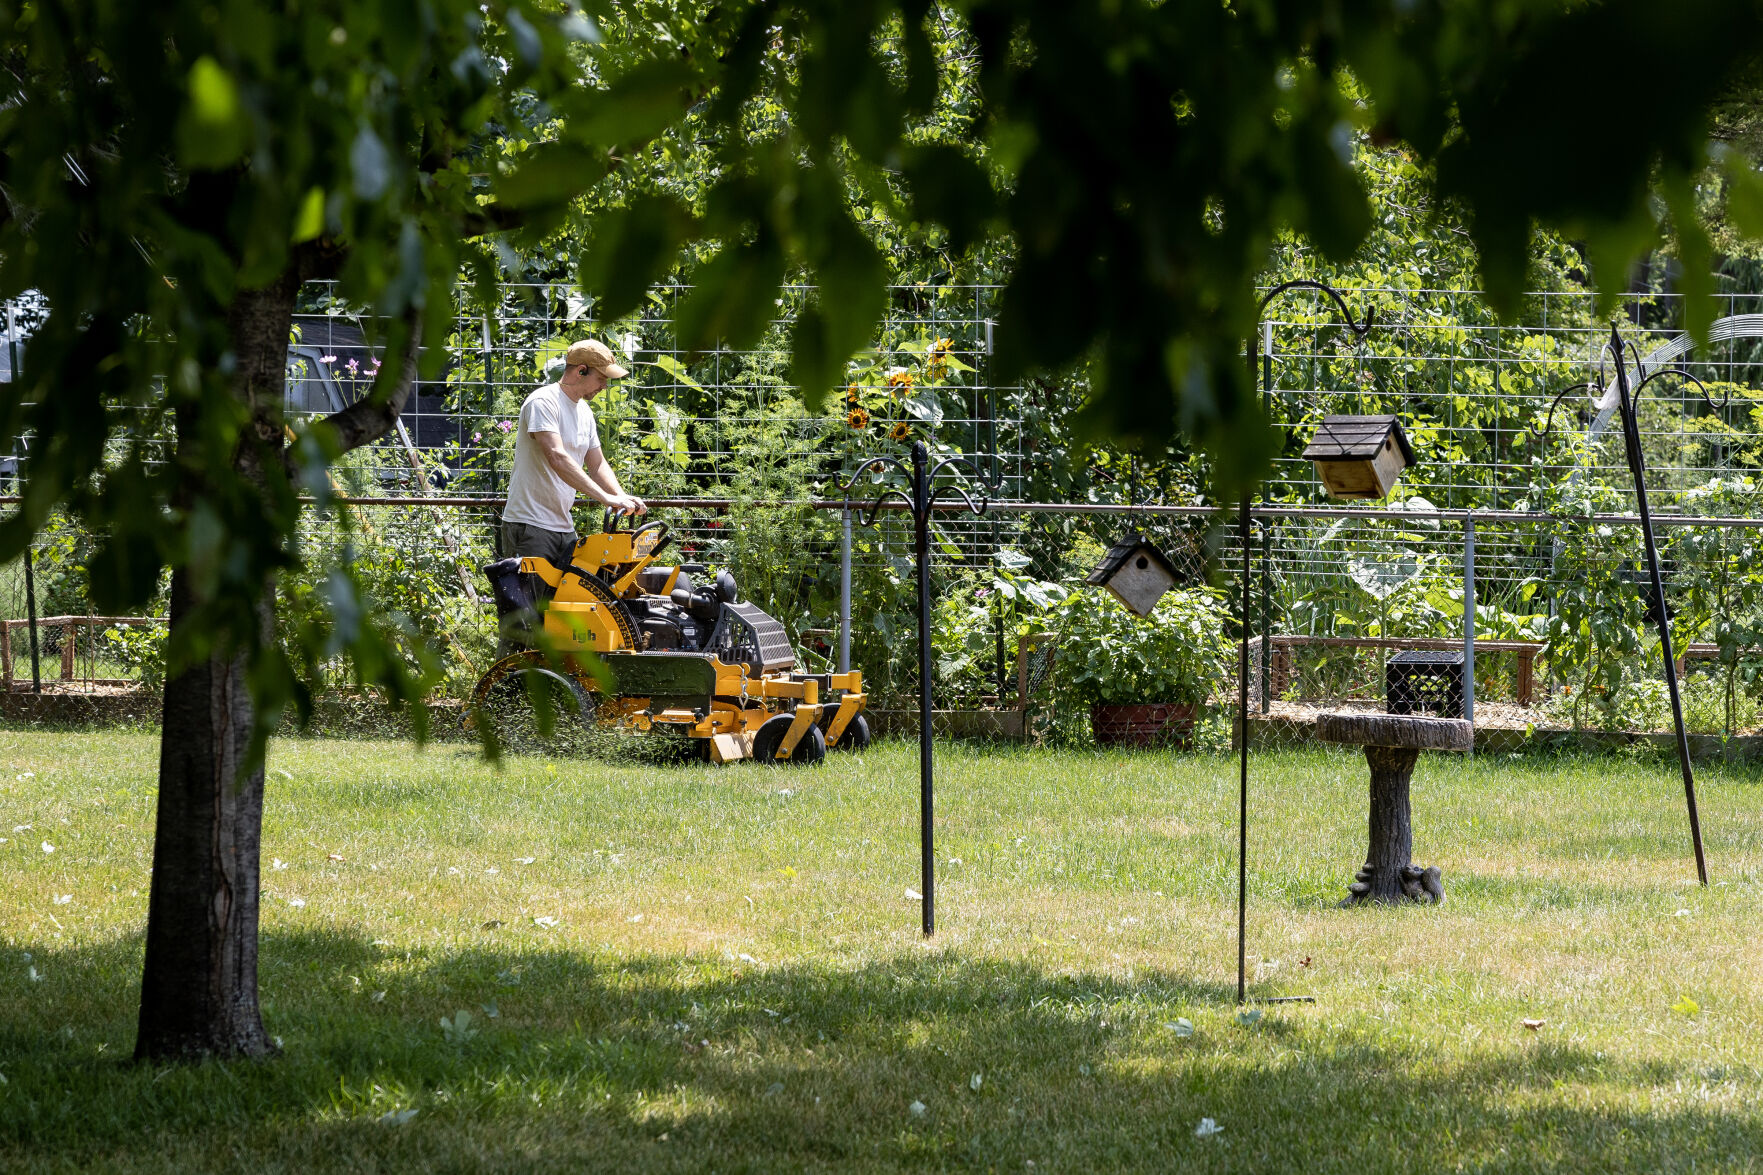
(372, 416)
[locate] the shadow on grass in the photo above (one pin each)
(657, 1062)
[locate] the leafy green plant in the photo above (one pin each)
(139, 648)
(975, 614)
(1719, 582)
(1179, 653)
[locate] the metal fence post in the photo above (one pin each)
(1266, 615)
(845, 594)
(1469, 618)
(30, 599)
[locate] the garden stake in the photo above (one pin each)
(1244, 525)
(921, 502)
(1631, 435)
(1627, 404)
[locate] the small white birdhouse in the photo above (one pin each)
(1359, 456)
(1136, 572)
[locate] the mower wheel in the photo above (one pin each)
(855, 737)
(769, 737)
(536, 710)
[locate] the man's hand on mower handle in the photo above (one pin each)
(628, 504)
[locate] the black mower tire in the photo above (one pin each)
(855, 737)
(509, 707)
(770, 736)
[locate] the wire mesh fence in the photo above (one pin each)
(1342, 602)
(1348, 608)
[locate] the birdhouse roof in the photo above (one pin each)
(1347, 438)
(1127, 548)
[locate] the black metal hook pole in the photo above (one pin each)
(920, 503)
(1245, 528)
(1631, 435)
(927, 857)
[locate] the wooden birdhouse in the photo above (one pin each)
(1359, 456)
(1136, 572)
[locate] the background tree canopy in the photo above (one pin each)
(173, 172)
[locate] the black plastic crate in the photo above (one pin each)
(1425, 682)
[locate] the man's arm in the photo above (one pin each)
(573, 475)
(600, 470)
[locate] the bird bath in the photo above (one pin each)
(1393, 743)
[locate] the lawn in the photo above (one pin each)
(687, 968)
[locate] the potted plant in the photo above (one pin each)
(1144, 680)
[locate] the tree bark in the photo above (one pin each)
(199, 979)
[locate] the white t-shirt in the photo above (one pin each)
(536, 495)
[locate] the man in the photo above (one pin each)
(557, 455)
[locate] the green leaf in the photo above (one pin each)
(734, 297)
(678, 370)
(1336, 213)
(309, 221)
(1744, 195)
(1696, 277)
(636, 108)
(212, 129)
(925, 406)
(214, 98)
(551, 173)
(369, 164)
(950, 189)
(633, 247)
(851, 294)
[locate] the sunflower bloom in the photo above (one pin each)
(900, 432)
(851, 394)
(857, 418)
(938, 357)
(901, 382)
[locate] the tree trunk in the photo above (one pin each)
(199, 983)
(199, 980)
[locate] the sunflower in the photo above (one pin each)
(901, 382)
(938, 356)
(857, 418)
(851, 394)
(900, 432)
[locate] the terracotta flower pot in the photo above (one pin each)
(1152, 724)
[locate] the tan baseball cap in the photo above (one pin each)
(597, 355)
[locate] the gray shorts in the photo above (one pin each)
(530, 542)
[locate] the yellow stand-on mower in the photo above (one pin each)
(683, 658)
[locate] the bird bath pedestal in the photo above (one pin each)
(1393, 743)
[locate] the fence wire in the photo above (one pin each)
(1340, 600)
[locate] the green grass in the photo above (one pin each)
(735, 981)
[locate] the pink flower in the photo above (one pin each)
(504, 425)
(376, 363)
(327, 358)
(354, 366)
(476, 437)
